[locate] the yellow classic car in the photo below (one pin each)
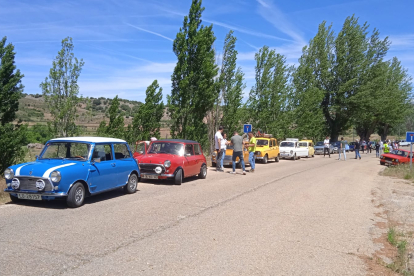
(228, 158)
(267, 148)
(308, 144)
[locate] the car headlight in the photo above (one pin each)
(55, 176)
(40, 184)
(396, 160)
(15, 183)
(291, 152)
(167, 163)
(9, 173)
(158, 170)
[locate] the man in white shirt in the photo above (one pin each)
(223, 148)
(381, 147)
(217, 141)
(327, 147)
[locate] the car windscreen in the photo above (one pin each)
(66, 150)
(167, 147)
(400, 153)
(319, 144)
(229, 147)
(287, 144)
(261, 142)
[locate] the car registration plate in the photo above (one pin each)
(29, 196)
(388, 162)
(149, 176)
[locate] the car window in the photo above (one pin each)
(121, 151)
(273, 142)
(103, 152)
(141, 148)
(319, 144)
(287, 144)
(261, 142)
(303, 144)
(69, 150)
(197, 149)
(189, 149)
(400, 153)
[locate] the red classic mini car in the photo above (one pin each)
(173, 159)
(396, 157)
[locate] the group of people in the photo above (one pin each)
(238, 144)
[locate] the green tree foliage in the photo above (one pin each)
(115, 127)
(12, 138)
(269, 100)
(38, 134)
(337, 65)
(61, 90)
(194, 90)
(232, 86)
(147, 120)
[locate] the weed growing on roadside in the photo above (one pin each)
(402, 171)
(402, 259)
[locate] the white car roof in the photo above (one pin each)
(90, 139)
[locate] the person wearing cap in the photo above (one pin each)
(153, 139)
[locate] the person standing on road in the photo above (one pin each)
(223, 148)
(217, 139)
(237, 142)
(342, 149)
(377, 150)
(357, 149)
(381, 147)
(363, 145)
(369, 147)
(252, 148)
(326, 147)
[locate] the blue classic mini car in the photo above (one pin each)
(74, 168)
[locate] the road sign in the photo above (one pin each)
(247, 128)
(409, 137)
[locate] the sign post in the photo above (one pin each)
(247, 128)
(409, 137)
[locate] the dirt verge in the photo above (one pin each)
(4, 197)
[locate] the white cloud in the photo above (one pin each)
(151, 32)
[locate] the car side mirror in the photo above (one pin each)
(96, 160)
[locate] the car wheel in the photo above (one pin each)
(14, 199)
(178, 178)
(313, 155)
(203, 172)
(382, 163)
(277, 159)
(265, 159)
(131, 186)
(294, 158)
(76, 195)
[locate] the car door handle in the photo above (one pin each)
(113, 164)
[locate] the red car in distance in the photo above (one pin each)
(141, 148)
(173, 159)
(395, 157)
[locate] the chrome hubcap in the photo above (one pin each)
(79, 194)
(204, 171)
(133, 183)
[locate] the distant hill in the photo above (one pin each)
(33, 110)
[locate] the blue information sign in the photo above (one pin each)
(247, 128)
(409, 137)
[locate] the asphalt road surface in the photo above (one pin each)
(307, 217)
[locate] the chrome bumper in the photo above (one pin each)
(164, 175)
(60, 194)
(259, 157)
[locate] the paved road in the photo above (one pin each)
(305, 217)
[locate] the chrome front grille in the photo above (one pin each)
(150, 168)
(29, 184)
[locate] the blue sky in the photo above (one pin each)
(127, 44)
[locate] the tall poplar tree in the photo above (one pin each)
(61, 90)
(269, 99)
(12, 137)
(115, 127)
(231, 86)
(147, 120)
(194, 89)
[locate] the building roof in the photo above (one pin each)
(178, 141)
(90, 139)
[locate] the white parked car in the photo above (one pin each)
(404, 143)
(290, 149)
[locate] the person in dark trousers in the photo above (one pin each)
(369, 146)
(237, 143)
(326, 147)
(357, 154)
(377, 150)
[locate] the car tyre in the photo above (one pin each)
(14, 199)
(131, 186)
(294, 158)
(265, 159)
(382, 163)
(178, 178)
(203, 172)
(76, 196)
(277, 159)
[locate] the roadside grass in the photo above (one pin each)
(4, 197)
(401, 260)
(402, 171)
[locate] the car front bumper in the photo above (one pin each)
(44, 195)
